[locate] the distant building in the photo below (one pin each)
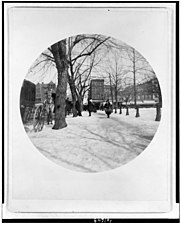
(96, 92)
(27, 99)
(27, 95)
(145, 92)
(99, 92)
(43, 90)
(109, 92)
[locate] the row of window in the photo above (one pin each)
(144, 97)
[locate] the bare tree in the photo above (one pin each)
(83, 77)
(44, 66)
(80, 48)
(78, 57)
(155, 86)
(140, 69)
(117, 75)
(54, 57)
(59, 53)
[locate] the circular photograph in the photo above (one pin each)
(90, 103)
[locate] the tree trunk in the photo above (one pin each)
(127, 111)
(158, 112)
(137, 112)
(134, 78)
(73, 92)
(120, 107)
(112, 99)
(59, 53)
(116, 99)
(111, 91)
(80, 99)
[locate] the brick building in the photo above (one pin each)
(107, 92)
(42, 90)
(96, 92)
(147, 92)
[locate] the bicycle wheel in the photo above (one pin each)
(38, 119)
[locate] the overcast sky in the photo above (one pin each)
(115, 61)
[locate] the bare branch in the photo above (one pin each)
(49, 57)
(89, 53)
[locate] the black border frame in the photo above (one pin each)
(177, 160)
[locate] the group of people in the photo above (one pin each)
(90, 107)
(69, 106)
(107, 107)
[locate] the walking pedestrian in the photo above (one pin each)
(90, 106)
(67, 107)
(108, 108)
(77, 106)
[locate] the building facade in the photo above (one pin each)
(109, 92)
(27, 95)
(43, 90)
(147, 92)
(96, 92)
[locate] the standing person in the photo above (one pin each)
(49, 105)
(77, 106)
(101, 107)
(67, 107)
(54, 98)
(108, 108)
(90, 106)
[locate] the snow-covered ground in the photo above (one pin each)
(97, 143)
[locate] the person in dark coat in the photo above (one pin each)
(54, 98)
(90, 106)
(67, 106)
(77, 106)
(108, 108)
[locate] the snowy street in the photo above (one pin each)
(97, 143)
